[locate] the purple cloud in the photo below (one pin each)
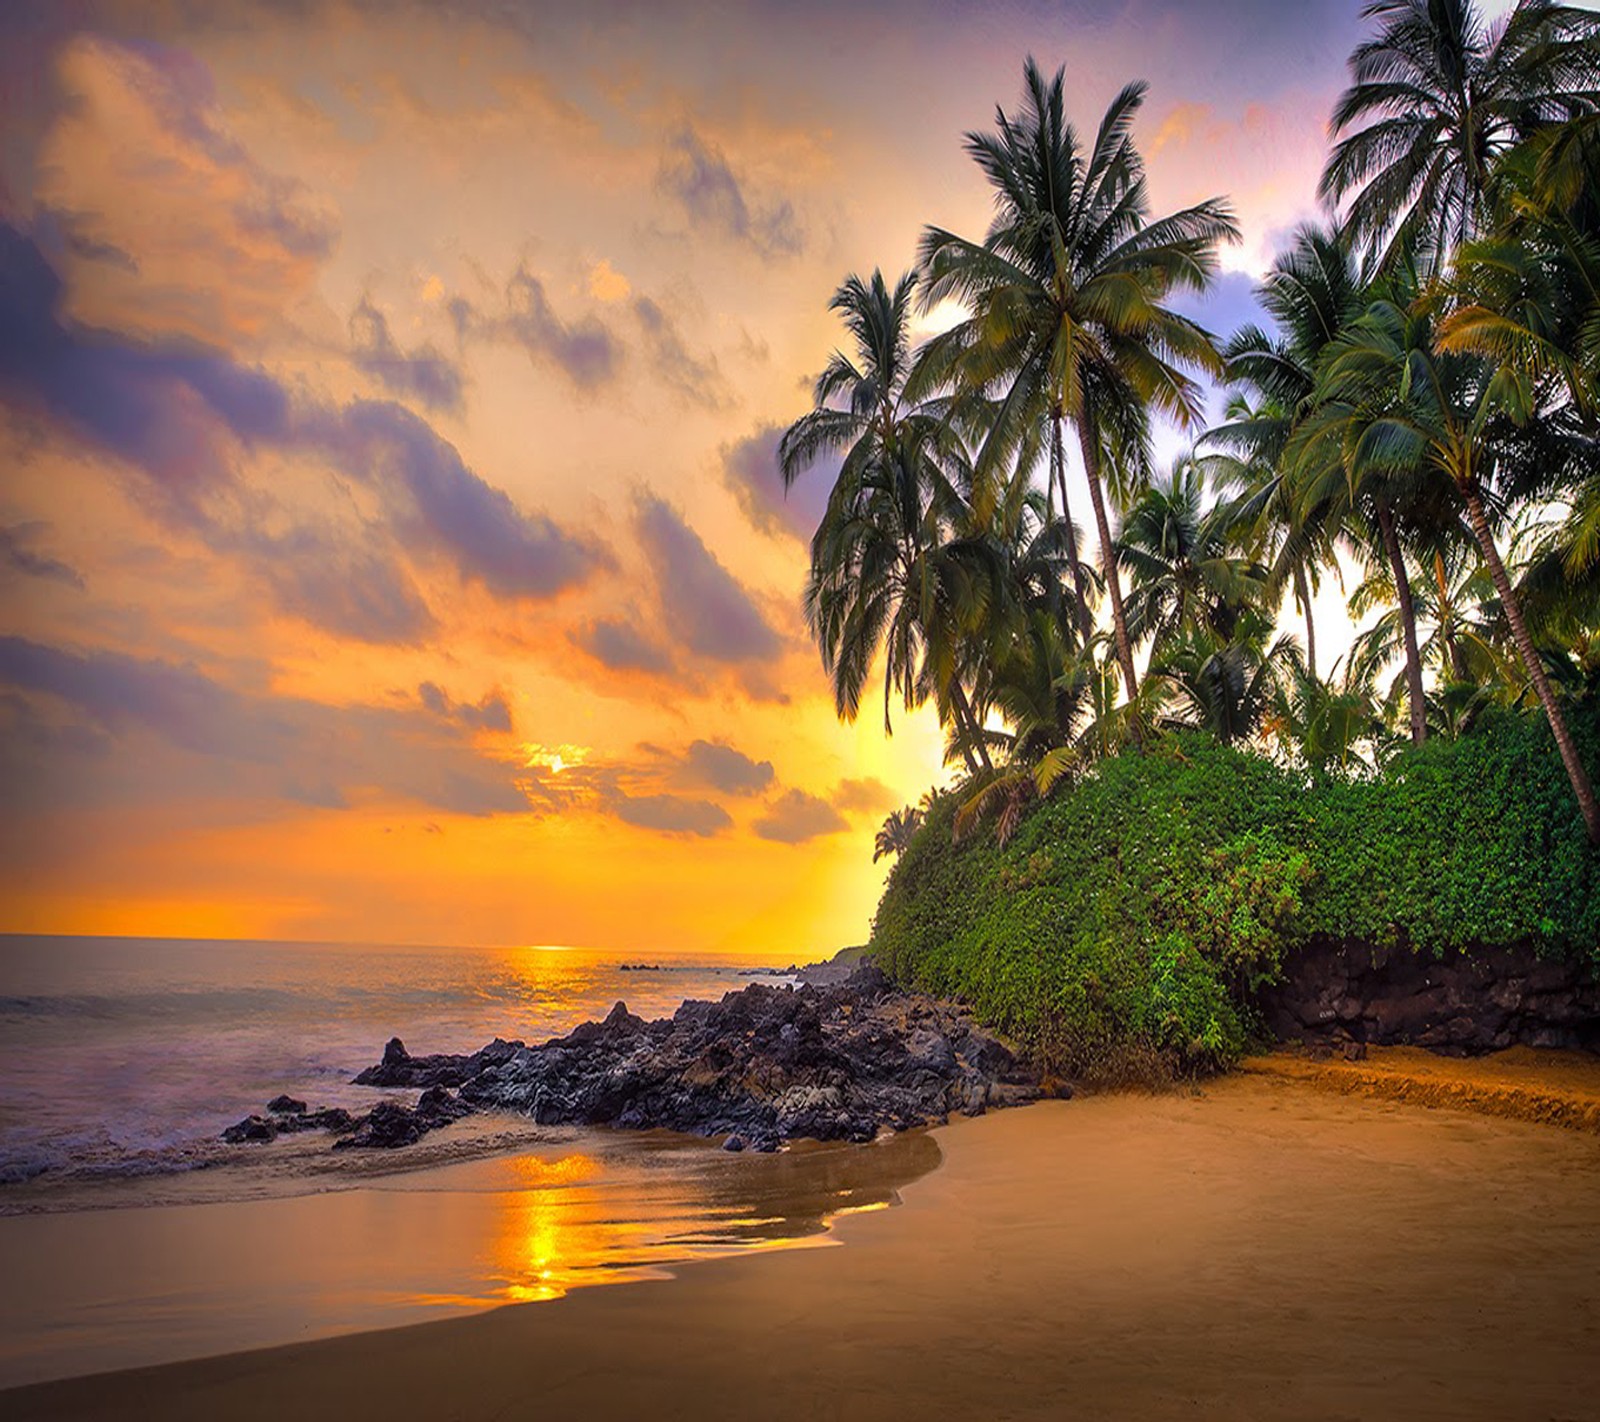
(704, 607)
(750, 472)
(723, 768)
(795, 817)
(617, 643)
(424, 375)
(695, 173)
(672, 814)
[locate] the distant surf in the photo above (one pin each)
(125, 1058)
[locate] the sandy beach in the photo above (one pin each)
(1255, 1249)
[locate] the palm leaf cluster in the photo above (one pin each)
(1416, 423)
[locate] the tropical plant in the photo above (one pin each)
(1067, 294)
(1438, 95)
(885, 574)
(895, 834)
(1410, 407)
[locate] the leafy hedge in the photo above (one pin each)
(1133, 911)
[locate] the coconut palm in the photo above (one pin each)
(1412, 408)
(1437, 96)
(1228, 685)
(1182, 564)
(1312, 291)
(884, 575)
(895, 835)
(1067, 294)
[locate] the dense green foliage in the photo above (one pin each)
(1136, 909)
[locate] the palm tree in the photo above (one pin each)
(1413, 408)
(1228, 685)
(1181, 560)
(885, 576)
(1067, 293)
(1312, 292)
(1437, 96)
(895, 835)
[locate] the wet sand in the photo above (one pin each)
(1261, 1249)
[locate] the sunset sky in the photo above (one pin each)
(390, 543)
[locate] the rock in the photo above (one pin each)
(387, 1125)
(1335, 992)
(400, 1068)
(252, 1128)
(287, 1106)
(762, 1066)
(734, 1142)
(332, 1118)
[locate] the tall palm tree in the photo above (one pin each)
(1413, 407)
(1437, 95)
(885, 575)
(1313, 291)
(894, 837)
(1067, 294)
(1181, 560)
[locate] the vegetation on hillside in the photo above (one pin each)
(1161, 783)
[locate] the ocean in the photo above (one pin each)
(130, 1234)
(126, 1057)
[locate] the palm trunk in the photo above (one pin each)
(963, 710)
(1058, 472)
(1581, 786)
(1408, 623)
(1108, 560)
(1302, 590)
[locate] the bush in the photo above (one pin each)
(1137, 910)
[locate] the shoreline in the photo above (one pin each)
(1089, 1246)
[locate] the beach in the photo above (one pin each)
(1256, 1248)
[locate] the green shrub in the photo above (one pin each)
(1135, 911)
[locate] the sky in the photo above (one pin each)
(390, 543)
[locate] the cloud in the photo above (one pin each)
(696, 380)
(157, 406)
(446, 506)
(750, 473)
(703, 606)
(424, 374)
(353, 589)
(795, 817)
(865, 796)
(723, 768)
(174, 228)
(672, 814)
(119, 726)
(180, 413)
(17, 554)
(586, 351)
(490, 713)
(697, 176)
(617, 643)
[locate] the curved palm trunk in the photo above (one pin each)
(1108, 561)
(1408, 623)
(1302, 590)
(973, 732)
(1581, 785)
(1058, 472)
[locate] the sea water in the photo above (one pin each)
(130, 1234)
(126, 1057)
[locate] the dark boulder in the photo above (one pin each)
(252, 1128)
(286, 1106)
(1335, 992)
(763, 1065)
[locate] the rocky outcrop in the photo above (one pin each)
(286, 1116)
(765, 1065)
(760, 1067)
(1335, 992)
